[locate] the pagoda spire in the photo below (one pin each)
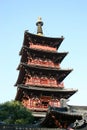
(39, 25)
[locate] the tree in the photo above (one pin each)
(13, 112)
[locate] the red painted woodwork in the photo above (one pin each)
(47, 48)
(45, 63)
(43, 81)
(40, 104)
(31, 77)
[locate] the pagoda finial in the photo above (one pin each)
(39, 24)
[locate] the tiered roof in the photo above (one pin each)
(43, 47)
(57, 57)
(60, 93)
(38, 39)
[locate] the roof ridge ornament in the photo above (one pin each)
(39, 25)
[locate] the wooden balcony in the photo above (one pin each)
(36, 104)
(43, 81)
(45, 63)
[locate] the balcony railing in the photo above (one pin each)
(45, 63)
(44, 82)
(35, 106)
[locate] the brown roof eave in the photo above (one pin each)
(28, 34)
(56, 40)
(20, 76)
(19, 94)
(59, 56)
(66, 92)
(46, 68)
(62, 72)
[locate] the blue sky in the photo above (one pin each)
(60, 17)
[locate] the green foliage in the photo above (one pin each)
(14, 112)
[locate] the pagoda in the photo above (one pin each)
(40, 83)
